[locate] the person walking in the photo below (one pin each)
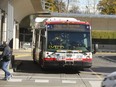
(5, 58)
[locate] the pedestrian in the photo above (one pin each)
(5, 58)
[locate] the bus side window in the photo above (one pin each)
(43, 39)
(41, 42)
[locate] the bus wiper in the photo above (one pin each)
(52, 53)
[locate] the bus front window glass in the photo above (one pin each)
(66, 40)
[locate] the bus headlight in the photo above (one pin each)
(52, 56)
(88, 57)
(79, 56)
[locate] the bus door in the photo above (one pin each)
(42, 43)
(36, 45)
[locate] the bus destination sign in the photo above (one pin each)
(77, 27)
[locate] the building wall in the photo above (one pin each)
(108, 24)
(98, 22)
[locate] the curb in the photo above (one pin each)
(21, 50)
(105, 53)
(25, 55)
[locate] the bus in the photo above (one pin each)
(62, 42)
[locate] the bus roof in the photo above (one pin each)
(64, 20)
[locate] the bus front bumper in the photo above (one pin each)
(79, 64)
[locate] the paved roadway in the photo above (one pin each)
(29, 74)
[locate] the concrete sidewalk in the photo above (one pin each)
(22, 53)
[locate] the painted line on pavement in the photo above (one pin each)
(95, 83)
(110, 59)
(41, 81)
(15, 80)
(96, 74)
(89, 73)
(106, 53)
(62, 78)
(68, 81)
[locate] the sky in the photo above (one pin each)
(90, 3)
(83, 3)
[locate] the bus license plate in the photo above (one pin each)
(69, 55)
(79, 56)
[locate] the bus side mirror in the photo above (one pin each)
(95, 48)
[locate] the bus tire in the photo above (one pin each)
(34, 56)
(42, 67)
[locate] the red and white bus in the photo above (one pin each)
(62, 42)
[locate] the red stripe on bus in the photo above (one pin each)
(87, 60)
(49, 59)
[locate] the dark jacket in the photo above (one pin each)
(6, 53)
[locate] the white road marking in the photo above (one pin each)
(63, 78)
(111, 59)
(41, 81)
(68, 81)
(95, 83)
(97, 75)
(15, 80)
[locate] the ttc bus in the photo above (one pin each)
(63, 42)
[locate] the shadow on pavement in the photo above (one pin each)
(108, 58)
(28, 66)
(104, 69)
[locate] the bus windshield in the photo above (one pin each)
(68, 40)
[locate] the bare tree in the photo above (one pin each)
(74, 9)
(73, 6)
(91, 6)
(60, 6)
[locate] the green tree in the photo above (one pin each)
(55, 5)
(107, 7)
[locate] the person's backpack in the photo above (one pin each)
(6, 58)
